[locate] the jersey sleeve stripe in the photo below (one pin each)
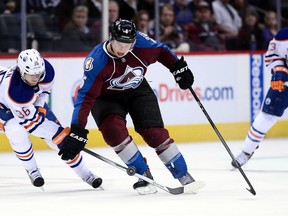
(32, 125)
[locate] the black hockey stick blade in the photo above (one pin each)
(190, 188)
(251, 189)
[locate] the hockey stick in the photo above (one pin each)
(192, 187)
(251, 190)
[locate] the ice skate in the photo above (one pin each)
(190, 185)
(186, 179)
(93, 180)
(143, 187)
(36, 178)
(241, 159)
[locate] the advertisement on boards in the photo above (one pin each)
(256, 84)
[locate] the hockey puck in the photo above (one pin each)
(131, 171)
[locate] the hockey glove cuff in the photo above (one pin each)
(279, 77)
(74, 142)
(182, 74)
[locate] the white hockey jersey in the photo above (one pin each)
(277, 53)
(25, 102)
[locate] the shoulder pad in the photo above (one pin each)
(282, 34)
(49, 74)
(18, 90)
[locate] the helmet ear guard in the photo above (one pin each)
(123, 31)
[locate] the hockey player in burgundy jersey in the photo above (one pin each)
(24, 91)
(114, 85)
(276, 100)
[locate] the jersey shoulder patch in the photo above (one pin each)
(18, 90)
(96, 59)
(88, 64)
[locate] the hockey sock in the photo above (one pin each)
(261, 125)
(172, 158)
(130, 155)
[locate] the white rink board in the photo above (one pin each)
(214, 74)
(178, 107)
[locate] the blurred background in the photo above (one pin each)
(184, 25)
(223, 41)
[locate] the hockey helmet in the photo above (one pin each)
(30, 62)
(123, 31)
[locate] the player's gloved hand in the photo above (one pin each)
(279, 77)
(5, 115)
(74, 142)
(182, 74)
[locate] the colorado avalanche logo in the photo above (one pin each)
(131, 78)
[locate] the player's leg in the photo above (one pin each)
(273, 108)
(110, 118)
(23, 149)
(78, 164)
(148, 122)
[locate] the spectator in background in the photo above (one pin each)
(264, 5)
(270, 28)
(241, 6)
(2, 7)
(126, 11)
(64, 12)
(141, 21)
(195, 3)
(10, 7)
(147, 5)
(170, 32)
(132, 4)
(46, 8)
(202, 32)
(183, 12)
(229, 22)
(76, 36)
(113, 10)
(95, 7)
(250, 34)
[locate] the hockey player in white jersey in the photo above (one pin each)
(24, 91)
(276, 100)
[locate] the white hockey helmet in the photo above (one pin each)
(30, 62)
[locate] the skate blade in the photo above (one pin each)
(194, 187)
(100, 188)
(149, 189)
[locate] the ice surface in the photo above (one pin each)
(225, 193)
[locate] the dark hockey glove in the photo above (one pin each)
(182, 74)
(5, 115)
(279, 77)
(74, 142)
